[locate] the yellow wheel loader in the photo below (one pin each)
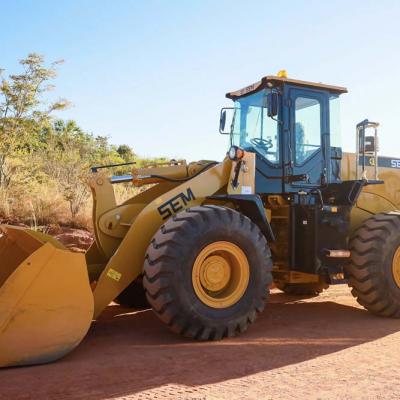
(205, 240)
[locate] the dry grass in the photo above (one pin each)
(46, 206)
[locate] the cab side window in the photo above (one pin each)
(307, 129)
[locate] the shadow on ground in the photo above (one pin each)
(126, 352)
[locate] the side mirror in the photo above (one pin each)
(226, 119)
(272, 103)
(222, 121)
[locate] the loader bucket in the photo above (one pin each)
(46, 304)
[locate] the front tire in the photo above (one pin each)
(207, 272)
(374, 269)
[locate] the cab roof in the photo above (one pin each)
(271, 81)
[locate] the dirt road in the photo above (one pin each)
(321, 348)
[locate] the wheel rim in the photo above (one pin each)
(396, 267)
(220, 274)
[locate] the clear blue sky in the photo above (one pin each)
(153, 74)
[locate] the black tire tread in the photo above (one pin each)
(164, 246)
(366, 277)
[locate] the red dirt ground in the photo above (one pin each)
(321, 348)
(76, 240)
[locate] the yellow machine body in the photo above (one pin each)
(374, 199)
(49, 295)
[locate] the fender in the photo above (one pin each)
(252, 206)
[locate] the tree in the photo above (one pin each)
(44, 162)
(23, 112)
(67, 153)
(126, 152)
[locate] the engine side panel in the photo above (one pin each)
(374, 199)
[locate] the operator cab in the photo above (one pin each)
(286, 167)
(293, 128)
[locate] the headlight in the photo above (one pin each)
(235, 153)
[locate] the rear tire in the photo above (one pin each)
(374, 269)
(134, 296)
(172, 261)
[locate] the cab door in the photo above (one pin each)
(307, 135)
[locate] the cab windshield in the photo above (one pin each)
(252, 129)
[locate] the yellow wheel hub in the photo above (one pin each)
(220, 274)
(396, 267)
